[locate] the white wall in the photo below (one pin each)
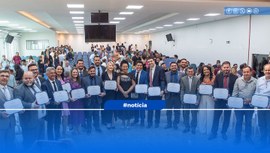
(77, 42)
(207, 42)
(51, 36)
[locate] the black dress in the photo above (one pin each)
(125, 83)
(110, 95)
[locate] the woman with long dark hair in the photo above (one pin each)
(65, 113)
(205, 117)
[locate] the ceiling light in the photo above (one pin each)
(193, 19)
(76, 12)
(134, 7)
(33, 31)
(79, 25)
(114, 22)
(4, 21)
(119, 18)
(167, 25)
(178, 22)
(75, 5)
(126, 13)
(152, 29)
(78, 21)
(30, 16)
(20, 27)
(77, 18)
(212, 14)
(159, 27)
(27, 29)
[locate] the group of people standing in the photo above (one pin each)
(195, 120)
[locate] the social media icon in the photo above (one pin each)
(242, 11)
(249, 11)
(256, 11)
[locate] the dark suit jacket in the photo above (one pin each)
(143, 80)
(86, 82)
(219, 82)
(194, 87)
(168, 80)
(28, 119)
(158, 78)
(46, 86)
(5, 122)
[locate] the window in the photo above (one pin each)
(36, 44)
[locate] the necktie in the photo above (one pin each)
(150, 78)
(137, 77)
(6, 93)
(225, 82)
(54, 86)
(37, 82)
(80, 73)
(98, 71)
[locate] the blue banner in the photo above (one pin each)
(246, 10)
(134, 104)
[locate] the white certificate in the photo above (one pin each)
(110, 85)
(154, 91)
(61, 96)
(259, 101)
(141, 88)
(66, 87)
(235, 102)
(173, 87)
(205, 89)
(13, 106)
(221, 93)
(78, 93)
(93, 90)
(190, 98)
(42, 97)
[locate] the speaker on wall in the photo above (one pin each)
(169, 37)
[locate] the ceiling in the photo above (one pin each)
(155, 13)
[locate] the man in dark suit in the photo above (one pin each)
(141, 77)
(7, 122)
(99, 70)
(223, 80)
(190, 85)
(156, 77)
(81, 68)
(38, 80)
(53, 116)
(29, 119)
(173, 99)
(93, 101)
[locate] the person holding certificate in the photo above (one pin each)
(93, 101)
(224, 80)
(156, 77)
(30, 123)
(140, 78)
(263, 89)
(244, 88)
(109, 75)
(205, 117)
(65, 113)
(125, 84)
(173, 98)
(53, 116)
(76, 117)
(190, 85)
(7, 122)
